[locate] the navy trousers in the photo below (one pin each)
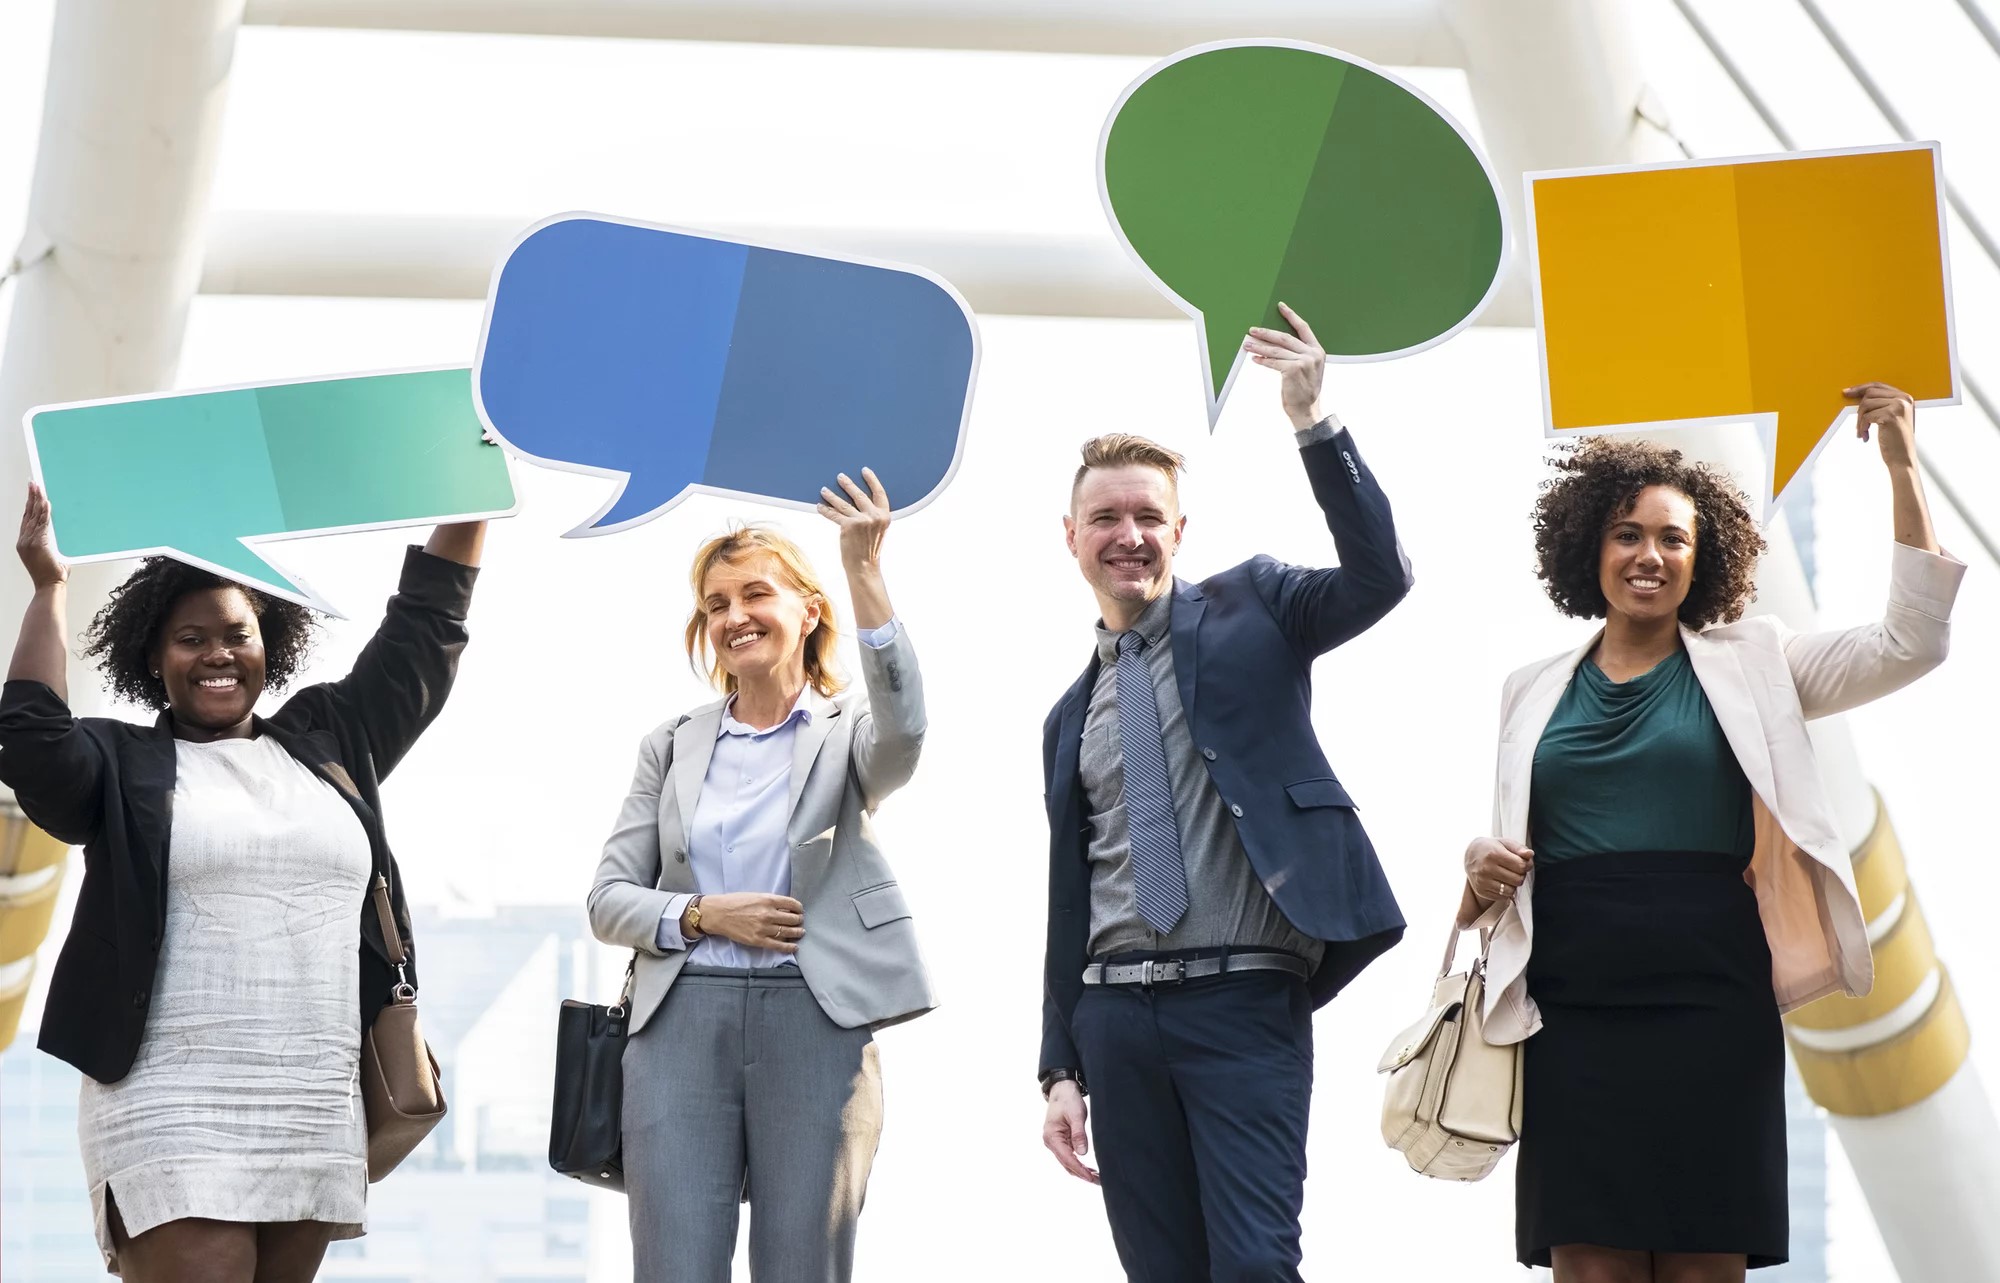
(1199, 1096)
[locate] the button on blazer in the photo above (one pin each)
(859, 956)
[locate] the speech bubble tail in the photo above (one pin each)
(236, 560)
(634, 504)
(1215, 392)
(1794, 436)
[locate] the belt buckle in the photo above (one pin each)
(1161, 971)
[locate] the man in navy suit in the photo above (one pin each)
(1209, 882)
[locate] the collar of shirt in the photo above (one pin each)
(1152, 625)
(800, 714)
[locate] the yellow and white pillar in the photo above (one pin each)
(31, 874)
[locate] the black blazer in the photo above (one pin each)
(108, 786)
(1244, 644)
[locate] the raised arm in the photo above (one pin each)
(889, 736)
(1841, 669)
(39, 655)
(53, 766)
(400, 680)
(1321, 609)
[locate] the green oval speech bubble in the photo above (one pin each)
(1245, 172)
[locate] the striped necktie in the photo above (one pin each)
(1159, 879)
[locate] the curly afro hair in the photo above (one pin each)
(1597, 481)
(125, 633)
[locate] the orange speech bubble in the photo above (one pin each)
(1759, 288)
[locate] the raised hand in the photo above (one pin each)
(862, 515)
(863, 518)
(1893, 413)
(1299, 360)
(37, 542)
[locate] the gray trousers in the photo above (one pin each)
(741, 1089)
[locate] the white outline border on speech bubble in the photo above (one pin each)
(589, 529)
(255, 543)
(1215, 402)
(1766, 422)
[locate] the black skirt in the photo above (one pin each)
(1653, 1115)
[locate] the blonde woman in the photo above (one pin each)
(772, 938)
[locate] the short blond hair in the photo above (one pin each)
(1124, 450)
(758, 540)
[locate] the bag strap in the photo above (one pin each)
(624, 1006)
(392, 940)
(1484, 925)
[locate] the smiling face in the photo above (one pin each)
(1645, 562)
(757, 620)
(210, 655)
(1123, 529)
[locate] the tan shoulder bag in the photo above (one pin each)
(400, 1086)
(1453, 1104)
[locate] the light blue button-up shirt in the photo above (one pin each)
(736, 839)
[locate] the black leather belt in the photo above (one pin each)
(1167, 971)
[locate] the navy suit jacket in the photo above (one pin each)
(1244, 644)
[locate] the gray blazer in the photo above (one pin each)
(859, 956)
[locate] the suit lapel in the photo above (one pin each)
(1063, 775)
(694, 746)
(1718, 666)
(806, 743)
(1185, 625)
(1524, 731)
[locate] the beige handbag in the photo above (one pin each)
(1453, 1104)
(399, 1076)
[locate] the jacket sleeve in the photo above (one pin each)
(889, 731)
(1839, 670)
(400, 680)
(1321, 609)
(55, 768)
(1058, 1049)
(626, 903)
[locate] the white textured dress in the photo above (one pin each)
(244, 1103)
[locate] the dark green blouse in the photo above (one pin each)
(1637, 766)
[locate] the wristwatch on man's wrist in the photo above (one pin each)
(1054, 1076)
(691, 920)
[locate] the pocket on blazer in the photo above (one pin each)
(880, 904)
(1321, 792)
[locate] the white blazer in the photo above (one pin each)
(1764, 682)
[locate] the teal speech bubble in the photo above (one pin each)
(1243, 173)
(214, 476)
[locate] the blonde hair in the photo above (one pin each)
(748, 541)
(1126, 449)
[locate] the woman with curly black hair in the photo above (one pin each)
(1665, 876)
(220, 968)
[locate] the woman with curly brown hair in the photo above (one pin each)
(220, 968)
(1665, 875)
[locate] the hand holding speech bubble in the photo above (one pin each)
(209, 477)
(679, 361)
(1242, 173)
(1754, 288)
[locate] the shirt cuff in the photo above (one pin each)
(1325, 430)
(669, 937)
(877, 638)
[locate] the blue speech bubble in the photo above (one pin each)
(678, 361)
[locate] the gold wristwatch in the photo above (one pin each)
(691, 920)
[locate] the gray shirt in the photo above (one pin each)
(1227, 904)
